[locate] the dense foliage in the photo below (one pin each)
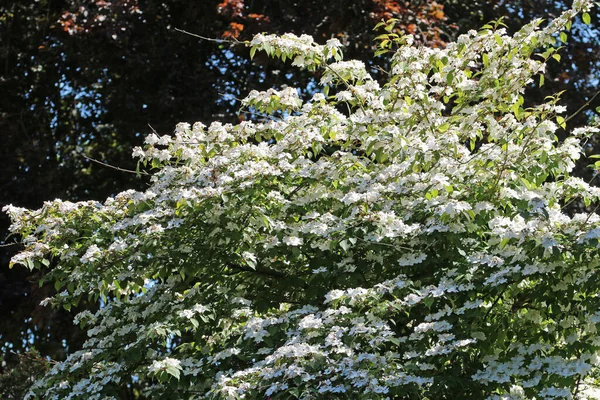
(15, 383)
(85, 78)
(405, 240)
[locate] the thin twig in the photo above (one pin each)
(378, 68)
(501, 295)
(37, 359)
(587, 103)
(117, 168)
(153, 130)
(9, 244)
(232, 41)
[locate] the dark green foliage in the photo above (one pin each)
(14, 382)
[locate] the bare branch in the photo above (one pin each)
(587, 103)
(231, 41)
(153, 130)
(113, 167)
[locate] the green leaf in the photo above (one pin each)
(563, 37)
(428, 301)
(586, 18)
(30, 264)
(173, 371)
(379, 25)
(380, 155)
(345, 245)
(527, 184)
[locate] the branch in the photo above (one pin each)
(117, 168)
(231, 41)
(36, 359)
(494, 303)
(259, 270)
(153, 130)
(587, 103)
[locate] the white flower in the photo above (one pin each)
(91, 254)
(412, 259)
(241, 300)
(333, 295)
(138, 152)
(151, 139)
(293, 240)
(199, 308)
(317, 97)
(161, 365)
(164, 140)
(186, 314)
(310, 322)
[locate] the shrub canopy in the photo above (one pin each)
(405, 239)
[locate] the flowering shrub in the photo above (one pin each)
(404, 240)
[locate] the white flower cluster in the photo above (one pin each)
(285, 100)
(303, 50)
(161, 365)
